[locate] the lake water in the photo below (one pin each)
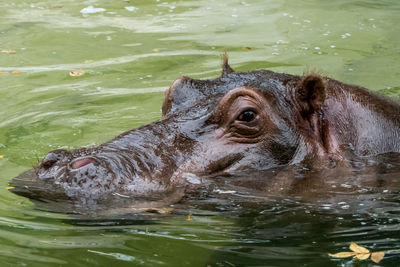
(131, 51)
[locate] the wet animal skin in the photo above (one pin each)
(254, 120)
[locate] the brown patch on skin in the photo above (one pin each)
(226, 69)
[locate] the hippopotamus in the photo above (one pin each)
(240, 121)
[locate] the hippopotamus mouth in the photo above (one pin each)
(256, 120)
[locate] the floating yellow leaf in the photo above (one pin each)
(155, 50)
(377, 256)
(76, 73)
(8, 51)
(3, 72)
(189, 217)
(89, 61)
(360, 253)
(16, 72)
(358, 249)
(1, 156)
(10, 187)
(361, 256)
(342, 254)
(245, 48)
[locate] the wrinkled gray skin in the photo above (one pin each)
(254, 121)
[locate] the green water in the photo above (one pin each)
(131, 51)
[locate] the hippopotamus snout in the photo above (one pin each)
(100, 172)
(75, 171)
(60, 156)
(95, 176)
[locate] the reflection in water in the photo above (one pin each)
(237, 219)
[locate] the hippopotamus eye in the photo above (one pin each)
(247, 116)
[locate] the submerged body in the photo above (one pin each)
(252, 121)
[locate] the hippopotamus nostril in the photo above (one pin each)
(80, 162)
(52, 158)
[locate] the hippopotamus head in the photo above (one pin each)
(254, 120)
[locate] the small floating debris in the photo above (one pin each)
(155, 50)
(8, 51)
(16, 72)
(1, 156)
(359, 253)
(189, 217)
(245, 48)
(76, 73)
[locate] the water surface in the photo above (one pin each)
(131, 51)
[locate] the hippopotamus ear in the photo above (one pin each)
(226, 69)
(311, 93)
